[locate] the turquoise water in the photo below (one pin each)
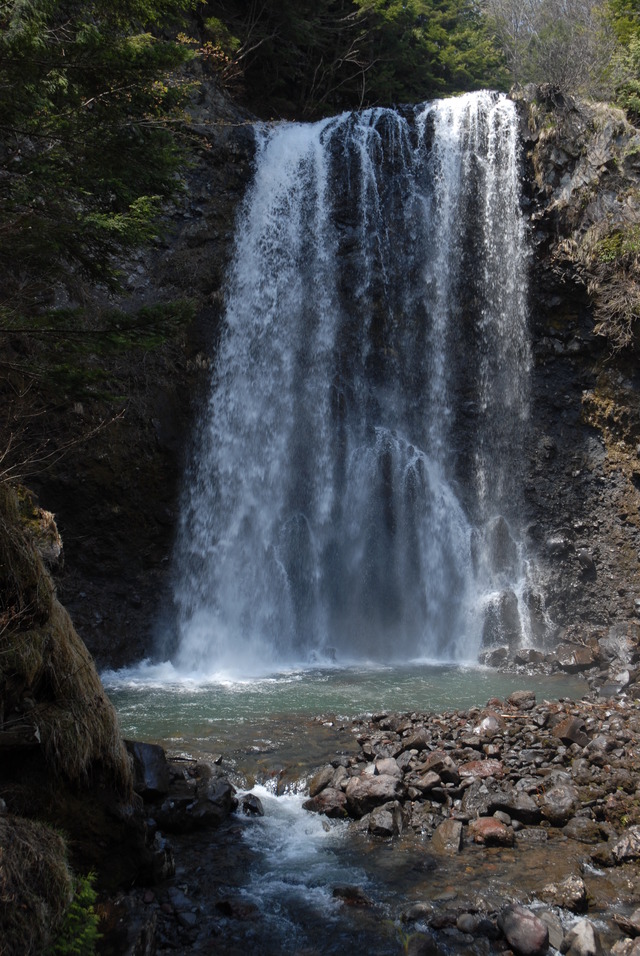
(153, 704)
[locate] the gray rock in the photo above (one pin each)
(447, 838)
(151, 774)
(522, 699)
(524, 931)
(252, 805)
(559, 804)
(320, 780)
(330, 802)
(554, 925)
(386, 821)
(363, 793)
(583, 830)
(388, 765)
(626, 947)
(583, 940)
(628, 846)
(570, 894)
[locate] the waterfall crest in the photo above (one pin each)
(354, 484)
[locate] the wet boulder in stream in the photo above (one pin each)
(366, 792)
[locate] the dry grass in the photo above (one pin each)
(36, 886)
(43, 660)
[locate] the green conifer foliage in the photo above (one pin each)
(86, 151)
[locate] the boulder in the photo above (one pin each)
(151, 774)
(571, 730)
(320, 780)
(559, 804)
(387, 820)
(522, 699)
(583, 830)
(365, 792)
(524, 931)
(388, 765)
(491, 832)
(583, 940)
(252, 805)
(575, 657)
(628, 846)
(330, 802)
(570, 894)
(447, 838)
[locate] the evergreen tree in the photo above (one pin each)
(86, 153)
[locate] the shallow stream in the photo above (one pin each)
(275, 884)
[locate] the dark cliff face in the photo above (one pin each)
(584, 446)
(116, 497)
(116, 494)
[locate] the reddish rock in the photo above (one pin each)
(571, 730)
(481, 768)
(491, 832)
(525, 933)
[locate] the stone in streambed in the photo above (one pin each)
(364, 793)
(570, 894)
(583, 830)
(389, 766)
(330, 802)
(491, 832)
(447, 838)
(387, 820)
(583, 939)
(626, 947)
(628, 846)
(559, 804)
(151, 774)
(320, 780)
(252, 805)
(629, 924)
(524, 931)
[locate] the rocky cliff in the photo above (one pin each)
(581, 172)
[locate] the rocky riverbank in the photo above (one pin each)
(509, 828)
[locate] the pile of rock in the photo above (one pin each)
(607, 658)
(515, 774)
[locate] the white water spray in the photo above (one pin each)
(368, 400)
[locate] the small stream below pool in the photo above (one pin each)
(275, 884)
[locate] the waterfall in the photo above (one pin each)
(354, 488)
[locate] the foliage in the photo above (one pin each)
(87, 152)
(625, 20)
(308, 57)
(567, 43)
(79, 933)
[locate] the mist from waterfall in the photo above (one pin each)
(354, 489)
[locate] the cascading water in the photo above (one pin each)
(354, 486)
